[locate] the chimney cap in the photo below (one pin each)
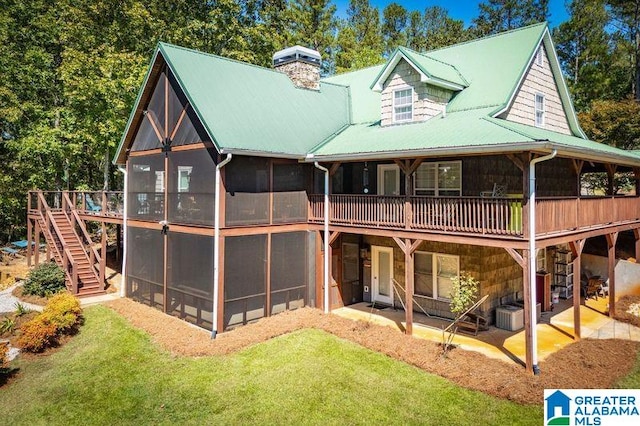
(297, 53)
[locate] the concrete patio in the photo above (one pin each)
(555, 329)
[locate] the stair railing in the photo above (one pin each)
(94, 257)
(68, 264)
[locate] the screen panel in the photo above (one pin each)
(191, 192)
(289, 193)
(247, 197)
(145, 266)
(146, 187)
(289, 271)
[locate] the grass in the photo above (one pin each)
(111, 373)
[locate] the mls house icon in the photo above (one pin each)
(557, 409)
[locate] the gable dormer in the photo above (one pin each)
(415, 87)
(537, 100)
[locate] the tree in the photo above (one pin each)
(313, 24)
(359, 41)
(501, 15)
(615, 123)
(583, 50)
(394, 23)
(626, 20)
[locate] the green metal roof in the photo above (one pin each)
(257, 111)
(365, 103)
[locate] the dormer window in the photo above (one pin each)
(539, 110)
(403, 105)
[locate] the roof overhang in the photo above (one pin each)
(425, 77)
(537, 146)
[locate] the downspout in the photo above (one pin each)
(123, 281)
(216, 246)
(532, 255)
(326, 235)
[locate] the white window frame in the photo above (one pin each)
(539, 112)
(435, 274)
(410, 104)
(436, 190)
(538, 57)
(184, 170)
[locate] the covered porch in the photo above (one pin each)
(555, 329)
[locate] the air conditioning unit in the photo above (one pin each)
(509, 317)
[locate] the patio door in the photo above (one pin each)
(382, 274)
(388, 179)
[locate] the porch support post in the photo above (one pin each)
(611, 171)
(611, 266)
(524, 261)
(636, 176)
(636, 236)
(577, 167)
(576, 251)
(408, 247)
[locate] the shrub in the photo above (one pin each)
(64, 311)
(61, 314)
(4, 350)
(21, 309)
(37, 334)
(7, 325)
(463, 293)
(44, 280)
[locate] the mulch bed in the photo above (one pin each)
(585, 364)
(622, 308)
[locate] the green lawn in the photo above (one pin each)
(111, 374)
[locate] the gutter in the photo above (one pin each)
(216, 246)
(532, 256)
(123, 286)
(326, 235)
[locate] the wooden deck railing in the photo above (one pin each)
(96, 203)
(477, 215)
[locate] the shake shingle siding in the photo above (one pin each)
(539, 79)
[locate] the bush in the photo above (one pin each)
(4, 350)
(64, 311)
(44, 280)
(60, 316)
(37, 334)
(463, 293)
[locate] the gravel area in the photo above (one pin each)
(8, 301)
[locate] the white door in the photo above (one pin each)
(382, 274)
(388, 179)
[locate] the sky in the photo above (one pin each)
(458, 9)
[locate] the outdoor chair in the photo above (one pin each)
(473, 322)
(592, 287)
(91, 206)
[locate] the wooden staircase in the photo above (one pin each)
(72, 248)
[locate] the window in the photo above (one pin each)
(433, 274)
(539, 107)
(538, 57)
(403, 105)
(184, 177)
(541, 260)
(439, 179)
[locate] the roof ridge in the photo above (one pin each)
(475, 40)
(426, 55)
(213, 55)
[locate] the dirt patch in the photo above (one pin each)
(585, 364)
(628, 310)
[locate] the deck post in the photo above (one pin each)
(576, 251)
(36, 240)
(611, 267)
(103, 255)
(29, 241)
(636, 236)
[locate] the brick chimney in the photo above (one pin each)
(301, 64)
